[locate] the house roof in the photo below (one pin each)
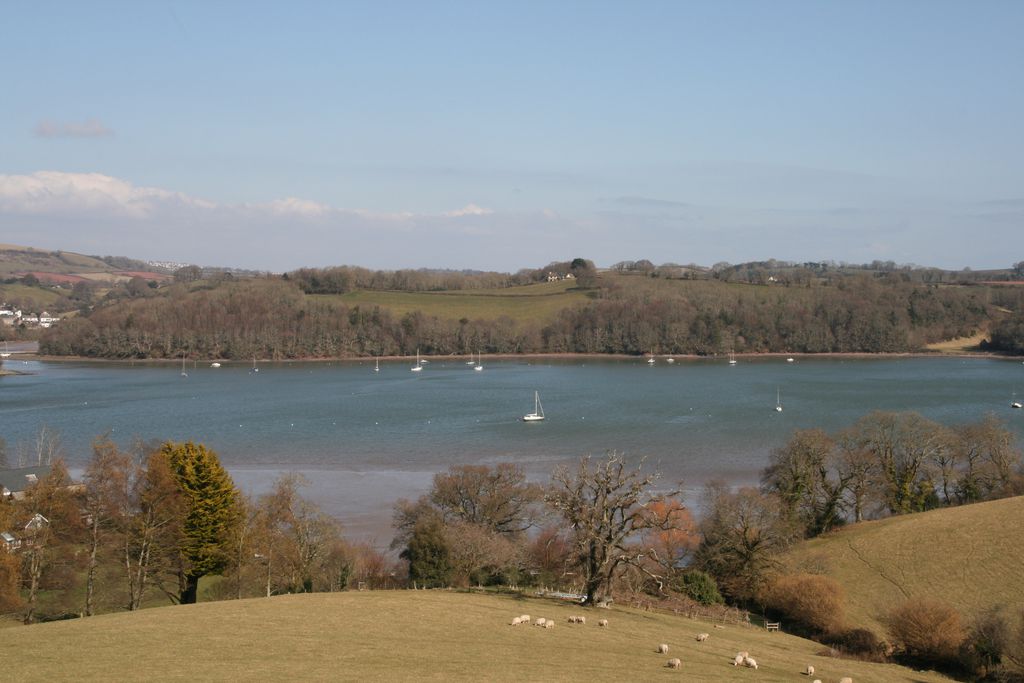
(7, 537)
(18, 479)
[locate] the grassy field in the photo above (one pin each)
(40, 297)
(539, 302)
(968, 557)
(14, 259)
(408, 635)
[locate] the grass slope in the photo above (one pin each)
(539, 302)
(14, 259)
(969, 557)
(407, 635)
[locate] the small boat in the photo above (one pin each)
(670, 360)
(254, 368)
(376, 367)
(479, 367)
(1014, 403)
(732, 358)
(5, 353)
(778, 401)
(214, 364)
(418, 367)
(471, 361)
(183, 373)
(789, 360)
(538, 410)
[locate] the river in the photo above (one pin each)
(365, 438)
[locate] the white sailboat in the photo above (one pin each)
(214, 364)
(479, 367)
(417, 367)
(670, 360)
(376, 367)
(254, 368)
(1014, 403)
(538, 410)
(183, 373)
(5, 353)
(778, 401)
(732, 358)
(470, 361)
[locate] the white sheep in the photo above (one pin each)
(810, 670)
(581, 620)
(550, 623)
(846, 679)
(816, 680)
(525, 619)
(674, 663)
(738, 659)
(701, 637)
(752, 663)
(516, 621)
(662, 649)
(539, 621)
(603, 622)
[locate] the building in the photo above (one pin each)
(14, 482)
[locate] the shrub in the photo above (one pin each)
(813, 602)
(701, 587)
(859, 642)
(927, 630)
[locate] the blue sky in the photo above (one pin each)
(506, 135)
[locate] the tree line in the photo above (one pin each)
(274, 318)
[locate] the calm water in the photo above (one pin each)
(365, 438)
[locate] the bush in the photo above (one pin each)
(811, 601)
(927, 630)
(859, 642)
(701, 587)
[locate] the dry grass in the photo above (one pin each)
(960, 344)
(969, 557)
(407, 635)
(540, 302)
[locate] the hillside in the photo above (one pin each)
(407, 635)
(965, 556)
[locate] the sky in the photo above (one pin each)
(506, 135)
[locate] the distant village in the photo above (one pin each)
(13, 317)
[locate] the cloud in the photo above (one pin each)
(468, 210)
(91, 128)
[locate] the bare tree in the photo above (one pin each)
(107, 479)
(606, 507)
(44, 449)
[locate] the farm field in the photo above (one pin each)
(962, 556)
(409, 635)
(539, 302)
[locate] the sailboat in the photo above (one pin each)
(538, 410)
(650, 361)
(376, 368)
(470, 361)
(5, 353)
(479, 367)
(1014, 403)
(183, 373)
(417, 367)
(778, 401)
(732, 358)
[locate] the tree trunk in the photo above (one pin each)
(188, 593)
(90, 579)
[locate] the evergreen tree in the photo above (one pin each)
(211, 512)
(428, 555)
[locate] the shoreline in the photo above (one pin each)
(529, 356)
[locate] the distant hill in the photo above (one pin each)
(969, 557)
(409, 636)
(68, 267)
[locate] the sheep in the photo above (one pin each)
(846, 679)
(539, 621)
(816, 680)
(581, 619)
(701, 637)
(525, 619)
(662, 649)
(719, 626)
(603, 622)
(550, 623)
(810, 670)
(516, 621)
(738, 659)
(674, 663)
(752, 663)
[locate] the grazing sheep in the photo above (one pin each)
(603, 622)
(701, 637)
(752, 663)
(525, 619)
(516, 621)
(816, 680)
(738, 659)
(581, 619)
(539, 621)
(662, 649)
(550, 623)
(810, 670)
(846, 679)
(719, 626)
(674, 663)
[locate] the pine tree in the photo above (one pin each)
(211, 512)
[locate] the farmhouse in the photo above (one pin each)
(14, 482)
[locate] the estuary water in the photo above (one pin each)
(365, 438)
